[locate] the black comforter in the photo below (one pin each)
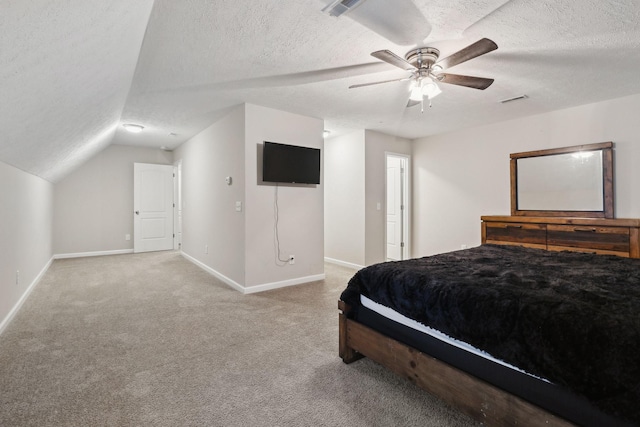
(571, 318)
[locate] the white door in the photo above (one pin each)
(177, 200)
(153, 207)
(394, 208)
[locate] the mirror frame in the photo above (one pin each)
(607, 176)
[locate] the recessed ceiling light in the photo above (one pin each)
(133, 128)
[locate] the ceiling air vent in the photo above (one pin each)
(515, 98)
(339, 7)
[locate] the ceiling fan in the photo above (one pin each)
(427, 71)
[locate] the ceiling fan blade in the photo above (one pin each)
(474, 50)
(378, 83)
(393, 59)
(399, 21)
(291, 79)
(412, 103)
(468, 81)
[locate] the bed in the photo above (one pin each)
(540, 325)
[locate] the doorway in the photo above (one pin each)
(397, 207)
(153, 190)
(177, 197)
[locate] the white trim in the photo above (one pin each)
(283, 284)
(9, 317)
(97, 253)
(232, 283)
(344, 263)
(252, 289)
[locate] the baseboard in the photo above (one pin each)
(5, 322)
(252, 289)
(96, 253)
(232, 283)
(343, 263)
(283, 284)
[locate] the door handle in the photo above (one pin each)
(137, 212)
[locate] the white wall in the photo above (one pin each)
(241, 244)
(355, 171)
(93, 206)
(376, 145)
(26, 210)
(301, 207)
(459, 176)
(208, 203)
(344, 198)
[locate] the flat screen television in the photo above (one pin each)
(290, 164)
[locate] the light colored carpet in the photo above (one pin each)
(150, 339)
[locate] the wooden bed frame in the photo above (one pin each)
(482, 401)
(476, 398)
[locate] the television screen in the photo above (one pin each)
(290, 163)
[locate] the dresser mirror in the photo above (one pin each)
(566, 182)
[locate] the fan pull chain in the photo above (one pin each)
(422, 105)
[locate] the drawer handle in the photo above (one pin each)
(585, 230)
(513, 226)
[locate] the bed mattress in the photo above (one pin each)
(396, 317)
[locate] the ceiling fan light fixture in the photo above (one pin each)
(416, 93)
(431, 90)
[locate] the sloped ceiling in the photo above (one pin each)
(66, 67)
(73, 71)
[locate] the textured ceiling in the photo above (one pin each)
(73, 71)
(66, 67)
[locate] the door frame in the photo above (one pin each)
(138, 247)
(177, 205)
(406, 203)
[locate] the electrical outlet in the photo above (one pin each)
(206, 249)
(463, 246)
(127, 237)
(292, 259)
(17, 277)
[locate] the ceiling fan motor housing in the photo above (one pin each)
(423, 64)
(422, 57)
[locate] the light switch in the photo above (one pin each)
(378, 206)
(238, 206)
(228, 180)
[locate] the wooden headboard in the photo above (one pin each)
(598, 235)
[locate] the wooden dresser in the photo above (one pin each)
(598, 235)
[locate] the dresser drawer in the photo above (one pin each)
(532, 235)
(603, 239)
(615, 236)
